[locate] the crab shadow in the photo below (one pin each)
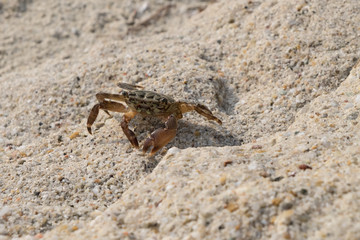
(196, 135)
(189, 134)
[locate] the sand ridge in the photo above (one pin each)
(282, 76)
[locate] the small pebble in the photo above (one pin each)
(301, 148)
(256, 147)
(334, 103)
(231, 207)
(292, 174)
(357, 99)
(253, 166)
(276, 201)
(223, 180)
(228, 162)
(286, 206)
(172, 151)
(353, 116)
(74, 135)
(264, 174)
(325, 142)
(304, 167)
(277, 179)
(21, 161)
(348, 106)
(197, 133)
(4, 211)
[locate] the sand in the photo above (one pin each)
(283, 76)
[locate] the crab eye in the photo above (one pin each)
(164, 101)
(124, 93)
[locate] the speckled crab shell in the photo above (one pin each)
(148, 102)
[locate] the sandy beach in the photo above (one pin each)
(283, 77)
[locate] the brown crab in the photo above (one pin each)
(149, 104)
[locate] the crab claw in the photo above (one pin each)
(160, 137)
(92, 117)
(205, 111)
(125, 127)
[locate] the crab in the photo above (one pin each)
(146, 103)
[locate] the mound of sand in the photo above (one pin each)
(281, 75)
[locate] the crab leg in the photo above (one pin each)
(104, 105)
(162, 136)
(200, 109)
(125, 127)
(102, 96)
